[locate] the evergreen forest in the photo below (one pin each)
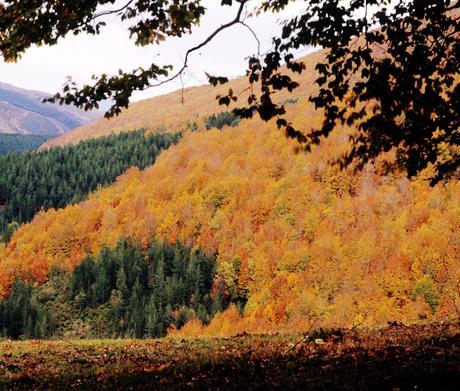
(60, 176)
(10, 143)
(122, 292)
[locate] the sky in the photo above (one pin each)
(46, 68)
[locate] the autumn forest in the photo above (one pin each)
(297, 227)
(294, 239)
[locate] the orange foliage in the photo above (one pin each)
(313, 242)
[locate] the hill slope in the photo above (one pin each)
(173, 111)
(60, 176)
(297, 240)
(22, 112)
(294, 237)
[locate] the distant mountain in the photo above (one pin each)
(22, 112)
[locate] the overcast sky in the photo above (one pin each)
(46, 68)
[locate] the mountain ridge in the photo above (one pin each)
(23, 112)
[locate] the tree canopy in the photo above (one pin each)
(390, 71)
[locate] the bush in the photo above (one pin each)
(290, 101)
(426, 288)
(225, 118)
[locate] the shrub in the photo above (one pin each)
(426, 288)
(225, 118)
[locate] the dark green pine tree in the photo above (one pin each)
(136, 311)
(159, 281)
(121, 284)
(195, 279)
(152, 319)
(101, 286)
(119, 303)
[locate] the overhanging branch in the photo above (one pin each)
(204, 43)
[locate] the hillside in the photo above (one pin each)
(173, 111)
(296, 239)
(22, 112)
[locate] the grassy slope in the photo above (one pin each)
(397, 357)
(169, 110)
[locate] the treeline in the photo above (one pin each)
(61, 176)
(10, 143)
(122, 292)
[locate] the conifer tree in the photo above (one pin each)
(136, 310)
(151, 318)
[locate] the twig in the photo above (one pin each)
(204, 43)
(110, 12)
(253, 34)
(305, 337)
(352, 328)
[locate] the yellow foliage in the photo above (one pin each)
(312, 241)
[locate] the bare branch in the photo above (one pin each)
(204, 43)
(111, 12)
(253, 34)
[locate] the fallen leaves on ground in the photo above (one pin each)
(398, 356)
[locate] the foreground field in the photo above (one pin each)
(397, 357)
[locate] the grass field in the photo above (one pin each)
(396, 357)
